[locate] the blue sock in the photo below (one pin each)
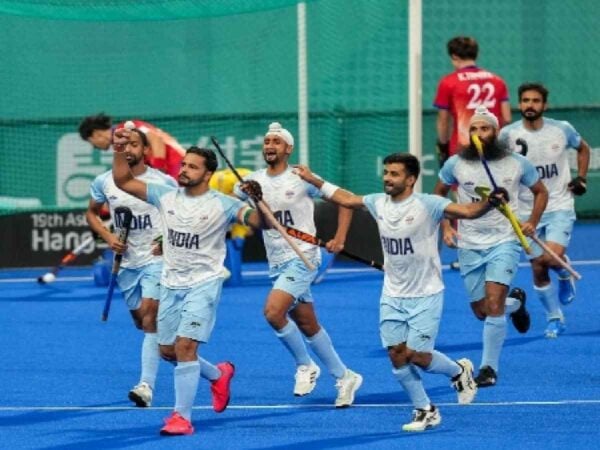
(494, 333)
(208, 371)
(549, 298)
(187, 375)
(150, 359)
(323, 348)
(440, 363)
(291, 337)
(410, 379)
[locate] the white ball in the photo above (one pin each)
(129, 125)
(49, 278)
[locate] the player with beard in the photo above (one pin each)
(545, 143)
(412, 299)
(195, 220)
(139, 275)
(289, 306)
(488, 249)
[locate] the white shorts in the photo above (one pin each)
(189, 313)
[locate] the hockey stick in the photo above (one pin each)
(122, 217)
(505, 207)
(305, 237)
(266, 211)
(49, 277)
(484, 191)
(67, 259)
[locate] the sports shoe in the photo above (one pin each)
(566, 287)
(176, 425)
(306, 379)
(455, 265)
(141, 395)
(221, 392)
(520, 318)
(554, 328)
(463, 383)
(486, 377)
(347, 387)
(423, 419)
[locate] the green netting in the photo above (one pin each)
(228, 68)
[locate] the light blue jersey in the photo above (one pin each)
(409, 238)
(291, 200)
(509, 172)
(194, 229)
(146, 223)
(548, 151)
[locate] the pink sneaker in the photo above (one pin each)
(176, 425)
(221, 392)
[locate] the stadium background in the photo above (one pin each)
(229, 68)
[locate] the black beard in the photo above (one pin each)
(491, 151)
(533, 118)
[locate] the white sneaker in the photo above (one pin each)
(423, 419)
(463, 383)
(141, 395)
(347, 387)
(306, 379)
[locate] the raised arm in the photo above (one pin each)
(122, 175)
(331, 192)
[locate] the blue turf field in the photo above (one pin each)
(65, 377)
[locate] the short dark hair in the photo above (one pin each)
(92, 123)
(538, 87)
(210, 159)
(411, 163)
(465, 47)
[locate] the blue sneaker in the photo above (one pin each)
(566, 287)
(326, 262)
(554, 328)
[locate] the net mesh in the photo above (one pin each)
(229, 68)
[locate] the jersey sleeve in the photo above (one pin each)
(446, 174)
(232, 206)
(530, 175)
(97, 189)
(155, 191)
(435, 205)
(370, 202)
(312, 191)
(443, 95)
(573, 137)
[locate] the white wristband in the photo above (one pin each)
(328, 189)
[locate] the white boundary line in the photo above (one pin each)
(256, 273)
(289, 406)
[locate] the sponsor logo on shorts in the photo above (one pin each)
(290, 278)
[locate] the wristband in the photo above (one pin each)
(328, 189)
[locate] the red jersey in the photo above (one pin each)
(464, 90)
(174, 151)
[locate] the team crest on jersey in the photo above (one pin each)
(289, 194)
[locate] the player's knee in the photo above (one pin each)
(494, 308)
(149, 323)
(399, 355)
(275, 316)
(478, 310)
(167, 352)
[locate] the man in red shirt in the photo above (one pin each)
(463, 90)
(166, 154)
